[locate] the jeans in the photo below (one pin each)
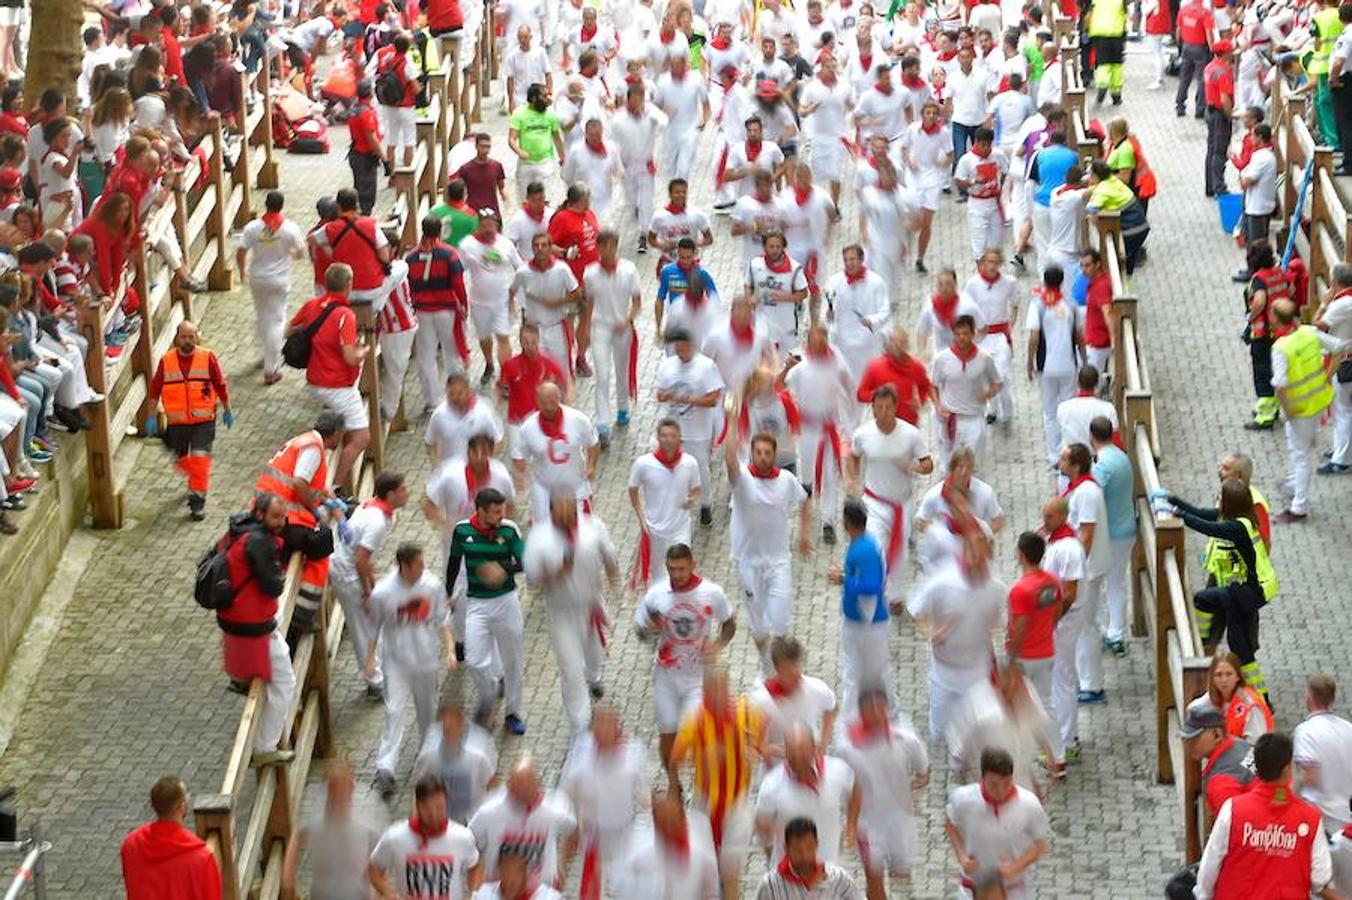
(1218, 129)
(962, 139)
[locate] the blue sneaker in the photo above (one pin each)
(622, 419)
(514, 724)
(1091, 697)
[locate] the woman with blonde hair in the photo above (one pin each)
(111, 121)
(1246, 714)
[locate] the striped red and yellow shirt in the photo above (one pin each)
(720, 746)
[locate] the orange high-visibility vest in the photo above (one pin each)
(188, 397)
(276, 477)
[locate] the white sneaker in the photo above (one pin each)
(1154, 85)
(25, 470)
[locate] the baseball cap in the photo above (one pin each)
(10, 179)
(1202, 716)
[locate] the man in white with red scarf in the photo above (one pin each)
(769, 408)
(675, 221)
(597, 166)
(397, 326)
(812, 786)
(858, 311)
(886, 453)
(808, 214)
(824, 104)
(740, 344)
(1089, 518)
(690, 385)
(530, 219)
(611, 286)
(927, 153)
(548, 292)
(664, 488)
(943, 514)
(763, 501)
(981, 173)
(1055, 352)
(677, 860)
(684, 99)
(567, 556)
(822, 386)
(790, 697)
(996, 296)
(934, 326)
(756, 215)
(633, 134)
(733, 104)
(557, 444)
(964, 379)
(606, 778)
(1064, 558)
(886, 216)
(881, 110)
(780, 286)
(746, 158)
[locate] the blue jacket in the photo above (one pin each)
(864, 576)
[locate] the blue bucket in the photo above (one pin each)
(1231, 207)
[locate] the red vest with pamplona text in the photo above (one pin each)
(1272, 834)
(353, 241)
(1276, 287)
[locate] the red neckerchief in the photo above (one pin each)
(996, 804)
(991, 280)
(1050, 296)
(801, 196)
(381, 505)
(945, 309)
(1283, 331)
(674, 209)
(859, 733)
(947, 55)
(477, 524)
(821, 76)
(272, 221)
(778, 266)
(481, 239)
(865, 62)
(773, 473)
(745, 336)
(786, 871)
(775, 688)
(885, 88)
(586, 33)
(526, 209)
(720, 42)
(855, 279)
(753, 150)
(667, 36)
(931, 129)
(424, 835)
(914, 82)
(964, 358)
(1084, 393)
(1076, 482)
(597, 148)
(1065, 531)
(541, 268)
(1347, 832)
(553, 427)
(690, 585)
(981, 154)
(815, 784)
(671, 461)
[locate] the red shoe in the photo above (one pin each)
(19, 485)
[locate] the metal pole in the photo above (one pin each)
(26, 869)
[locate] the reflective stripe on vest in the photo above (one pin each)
(1276, 286)
(1327, 27)
(1308, 391)
(1223, 562)
(276, 476)
(188, 397)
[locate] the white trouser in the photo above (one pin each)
(401, 685)
(1069, 263)
(638, 185)
(542, 172)
(277, 697)
(269, 298)
(1098, 358)
(1115, 588)
(1089, 647)
(610, 355)
(1300, 438)
(577, 648)
(881, 516)
(812, 448)
(1156, 42)
(700, 450)
(395, 351)
(884, 259)
(494, 631)
(361, 631)
(72, 390)
(436, 334)
(864, 661)
(1038, 673)
(554, 341)
(767, 586)
(1002, 404)
(969, 431)
(1054, 389)
(1065, 679)
(680, 152)
(169, 250)
(50, 374)
(1042, 226)
(985, 225)
(947, 687)
(1342, 423)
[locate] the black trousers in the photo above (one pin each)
(1234, 608)
(364, 171)
(1260, 356)
(1192, 59)
(1218, 128)
(184, 439)
(1342, 115)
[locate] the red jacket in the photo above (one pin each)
(1272, 834)
(568, 228)
(353, 241)
(443, 15)
(257, 574)
(165, 861)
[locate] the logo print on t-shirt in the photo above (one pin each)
(429, 877)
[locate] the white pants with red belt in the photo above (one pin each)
(1001, 351)
(985, 224)
(578, 651)
(882, 517)
(816, 451)
(436, 335)
(269, 297)
(610, 354)
(395, 352)
(638, 185)
(965, 431)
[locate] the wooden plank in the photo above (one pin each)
(200, 217)
(126, 412)
(214, 822)
(271, 887)
(251, 847)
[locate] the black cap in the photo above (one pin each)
(1202, 716)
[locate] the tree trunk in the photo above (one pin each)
(54, 49)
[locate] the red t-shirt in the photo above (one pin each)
(1219, 79)
(443, 15)
(1098, 300)
(521, 375)
(1195, 22)
(1037, 595)
(907, 376)
(363, 127)
(327, 367)
(173, 56)
(573, 229)
(481, 183)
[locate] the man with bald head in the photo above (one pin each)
(809, 786)
(525, 819)
(187, 387)
(1065, 559)
(557, 445)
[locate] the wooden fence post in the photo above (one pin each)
(369, 383)
(143, 350)
(221, 277)
(267, 175)
(214, 818)
(450, 50)
(104, 504)
(1319, 218)
(240, 175)
(1168, 536)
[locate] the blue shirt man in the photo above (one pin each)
(1113, 471)
(1050, 166)
(863, 575)
(862, 578)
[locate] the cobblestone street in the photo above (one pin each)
(132, 686)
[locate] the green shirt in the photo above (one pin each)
(473, 548)
(1110, 194)
(456, 224)
(1122, 157)
(535, 132)
(1036, 64)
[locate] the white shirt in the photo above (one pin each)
(536, 832)
(490, 268)
(558, 464)
(832, 102)
(1260, 197)
(1325, 740)
(985, 174)
(466, 769)
(887, 458)
(607, 789)
(525, 68)
(781, 318)
(1065, 218)
(1087, 508)
(665, 494)
(271, 252)
(691, 620)
(961, 385)
(695, 378)
(448, 429)
(427, 869)
(859, 311)
(660, 55)
(882, 114)
(968, 93)
(768, 159)
(783, 798)
(635, 136)
(981, 502)
(885, 215)
(1074, 416)
(734, 359)
(883, 769)
(928, 325)
(1058, 324)
(1218, 845)
(961, 617)
(597, 171)
(448, 489)
(762, 516)
(683, 102)
(994, 839)
(590, 554)
(367, 528)
(650, 870)
(312, 33)
(806, 706)
(750, 210)
(929, 153)
(994, 299)
(534, 286)
(1064, 559)
(408, 620)
(494, 892)
(823, 388)
(672, 226)
(611, 292)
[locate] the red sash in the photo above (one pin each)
(830, 435)
(897, 533)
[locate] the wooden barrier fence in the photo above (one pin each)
(1161, 599)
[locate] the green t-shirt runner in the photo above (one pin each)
(535, 132)
(456, 223)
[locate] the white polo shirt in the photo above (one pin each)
(558, 463)
(968, 93)
(762, 516)
(367, 528)
(611, 292)
(1064, 559)
(1087, 507)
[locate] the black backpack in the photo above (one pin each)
(212, 590)
(389, 87)
(298, 344)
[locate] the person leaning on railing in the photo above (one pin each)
(1109, 193)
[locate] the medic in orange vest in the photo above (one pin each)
(299, 474)
(187, 387)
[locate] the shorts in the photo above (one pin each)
(927, 196)
(491, 319)
(185, 439)
(397, 122)
(347, 402)
(768, 590)
(887, 849)
(789, 149)
(826, 158)
(10, 16)
(736, 835)
(673, 698)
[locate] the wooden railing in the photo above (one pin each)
(1161, 599)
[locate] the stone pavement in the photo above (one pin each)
(131, 688)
